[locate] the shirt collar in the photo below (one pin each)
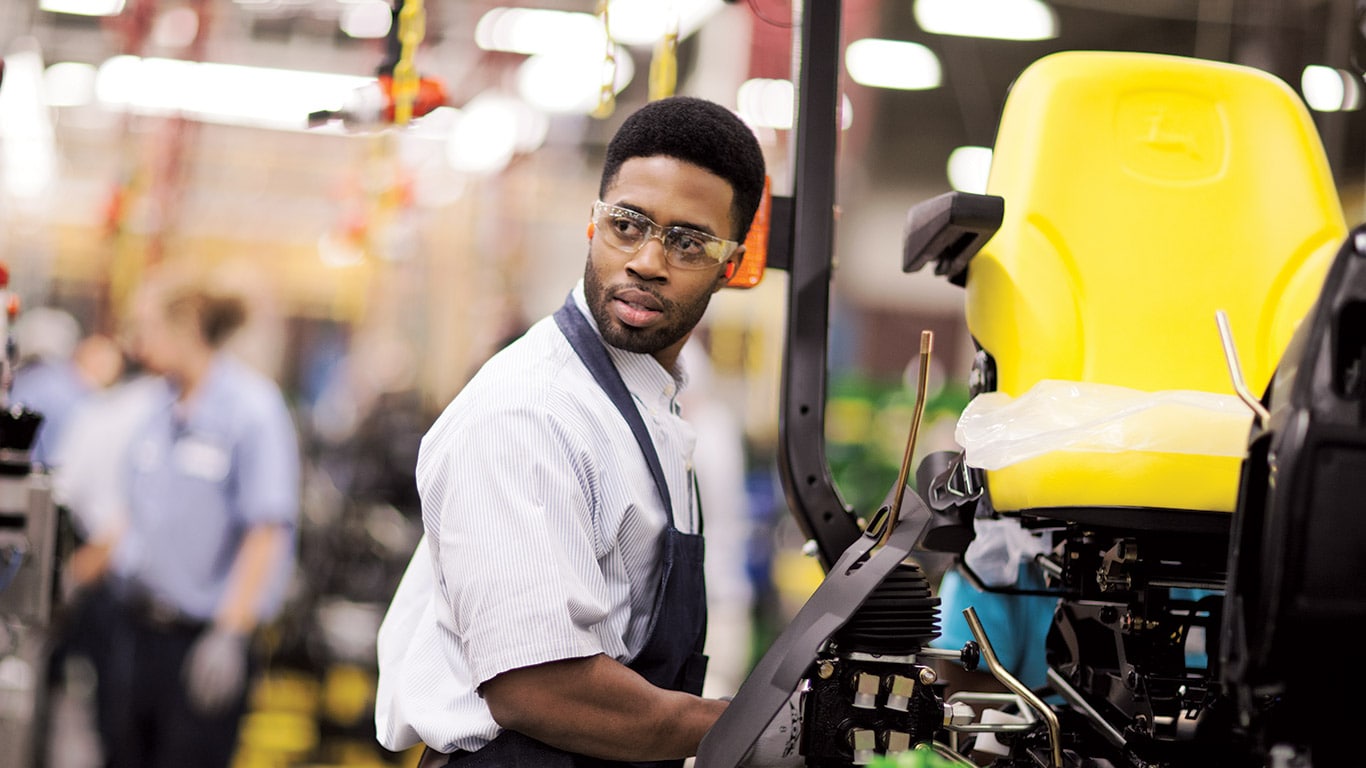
(642, 373)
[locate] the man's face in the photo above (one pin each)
(640, 302)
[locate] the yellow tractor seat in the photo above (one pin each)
(1141, 194)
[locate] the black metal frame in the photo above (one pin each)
(815, 502)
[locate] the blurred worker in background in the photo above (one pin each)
(57, 371)
(212, 501)
(720, 461)
(554, 613)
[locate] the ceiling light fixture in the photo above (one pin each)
(69, 84)
(83, 7)
(1327, 89)
(969, 168)
(570, 83)
(366, 20)
(892, 64)
(230, 94)
(764, 103)
(534, 31)
(995, 19)
(642, 22)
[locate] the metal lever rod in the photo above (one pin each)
(998, 671)
(1235, 369)
(922, 383)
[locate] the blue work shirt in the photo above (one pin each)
(52, 389)
(201, 475)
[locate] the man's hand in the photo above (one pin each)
(215, 670)
(778, 745)
(598, 707)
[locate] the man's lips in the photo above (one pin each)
(636, 308)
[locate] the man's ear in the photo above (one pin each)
(732, 266)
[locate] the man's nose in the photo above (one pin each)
(650, 262)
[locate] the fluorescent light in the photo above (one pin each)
(534, 31)
(642, 22)
(83, 7)
(365, 20)
(892, 64)
(69, 84)
(968, 169)
(995, 19)
(485, 136)
(28, 155)
(764, 103)
(570, 83)
(231, 94)
(1327, 89)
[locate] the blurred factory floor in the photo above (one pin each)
(295, 719)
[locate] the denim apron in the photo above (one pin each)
(672, 655)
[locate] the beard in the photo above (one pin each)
(679, 318)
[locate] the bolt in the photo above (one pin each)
(1109, 614)
(928, 676)
(825, 670)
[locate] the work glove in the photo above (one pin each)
(779, 745)
(215, 671)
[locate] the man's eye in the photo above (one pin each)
(627, 227)
(688, 245)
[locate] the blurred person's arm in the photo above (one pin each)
(255, 567)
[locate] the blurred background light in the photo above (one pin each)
(231, 94)
(83, 7)
(765, 103)
(570, 82)
(642, 22)
(69, 84)
(995, 19)
(892, 64)
(27, 145)
(537, 31)
(176, 27)
(1327, 89)
(968, 169)
(484, 137)
(366, 19)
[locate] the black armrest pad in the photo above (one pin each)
(949, 230)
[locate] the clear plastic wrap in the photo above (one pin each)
(997, 430)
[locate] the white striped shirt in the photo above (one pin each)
(541, 539)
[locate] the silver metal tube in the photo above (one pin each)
(1047, 565)
(1235, 369)
(1073, 696)
(999, 672)
(939, 653)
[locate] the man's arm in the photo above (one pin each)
(598, 707)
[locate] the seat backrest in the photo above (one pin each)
(1143, 192)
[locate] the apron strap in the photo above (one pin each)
(588, 346)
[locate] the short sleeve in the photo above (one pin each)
(508, 498)
(267, 459)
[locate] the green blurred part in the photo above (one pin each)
(867, 421)
(919, 758)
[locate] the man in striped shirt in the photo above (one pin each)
(554, 613)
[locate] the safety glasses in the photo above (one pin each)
(684, 248)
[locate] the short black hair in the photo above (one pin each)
(695, 131)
